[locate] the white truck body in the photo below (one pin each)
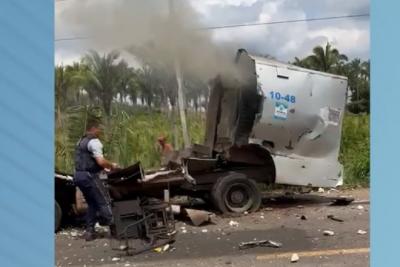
(302, 117)
(293, 112)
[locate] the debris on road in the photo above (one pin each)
(321, 190)
(359, 207)
(361, 232)
(234, 223)
(101, 229)
(329, 233)
(176, 209)
(294, 258)
(303, 217)
(123, 247)
(261, 243)
(342, 201)
(162, 249)
(333, 218)
(332, 190)
(204, 231)
(115, 259)
(198, 217)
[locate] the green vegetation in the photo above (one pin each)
(128, 137)
(139, 104)
(329, 59)
(355, 152)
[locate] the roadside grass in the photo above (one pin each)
(131, 136)
(355, 150)
(128, 137)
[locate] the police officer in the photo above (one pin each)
(89, 162)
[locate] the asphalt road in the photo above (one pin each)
(217, 244)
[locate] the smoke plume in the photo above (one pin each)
(154, 30)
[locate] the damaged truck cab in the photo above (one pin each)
(283, 116)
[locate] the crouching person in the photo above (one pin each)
(89, 162)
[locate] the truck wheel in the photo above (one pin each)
(236, 193)
(58, 213)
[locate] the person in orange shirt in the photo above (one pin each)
(165, 149)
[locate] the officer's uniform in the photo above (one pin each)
(87, 179)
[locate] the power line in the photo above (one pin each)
(245, 24)
(283, 21)
(71, 38)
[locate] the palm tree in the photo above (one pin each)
(64, 88)
(301, 62)
(325, 59)
(102, 77)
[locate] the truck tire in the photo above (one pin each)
(58, 217)
(235, 193)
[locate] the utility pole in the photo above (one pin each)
(178, 73)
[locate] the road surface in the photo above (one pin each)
(217, 244)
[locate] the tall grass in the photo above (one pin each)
(355, 150)
(131, 136)
(127, 137)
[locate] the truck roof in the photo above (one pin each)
(272, 62)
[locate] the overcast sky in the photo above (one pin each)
(282, 41)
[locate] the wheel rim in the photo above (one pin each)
(238, 197)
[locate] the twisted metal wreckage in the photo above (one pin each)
(278, 123)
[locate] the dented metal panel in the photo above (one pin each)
(293, 112)
(302, 118)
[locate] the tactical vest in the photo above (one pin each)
(84, 161)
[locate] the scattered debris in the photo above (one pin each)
(246, 212)
(332, 190)
(115, 259)
(303, 217)
(127, 264)
(204, 231)
(101, 229)
(74, 233)
(262, 217)
(359, 207)
(198, 217)
(261, 243)
(123, 247)
(361, 232)
(176, 209)
(234, 223)
(300, 206)
(228, 262)
(329, 233)
(321, 190)
(342, 201)
(162, 249)
(294, 258)
(333, 218)
(269, 209)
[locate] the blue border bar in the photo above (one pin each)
(385, 133)
(26, 133)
